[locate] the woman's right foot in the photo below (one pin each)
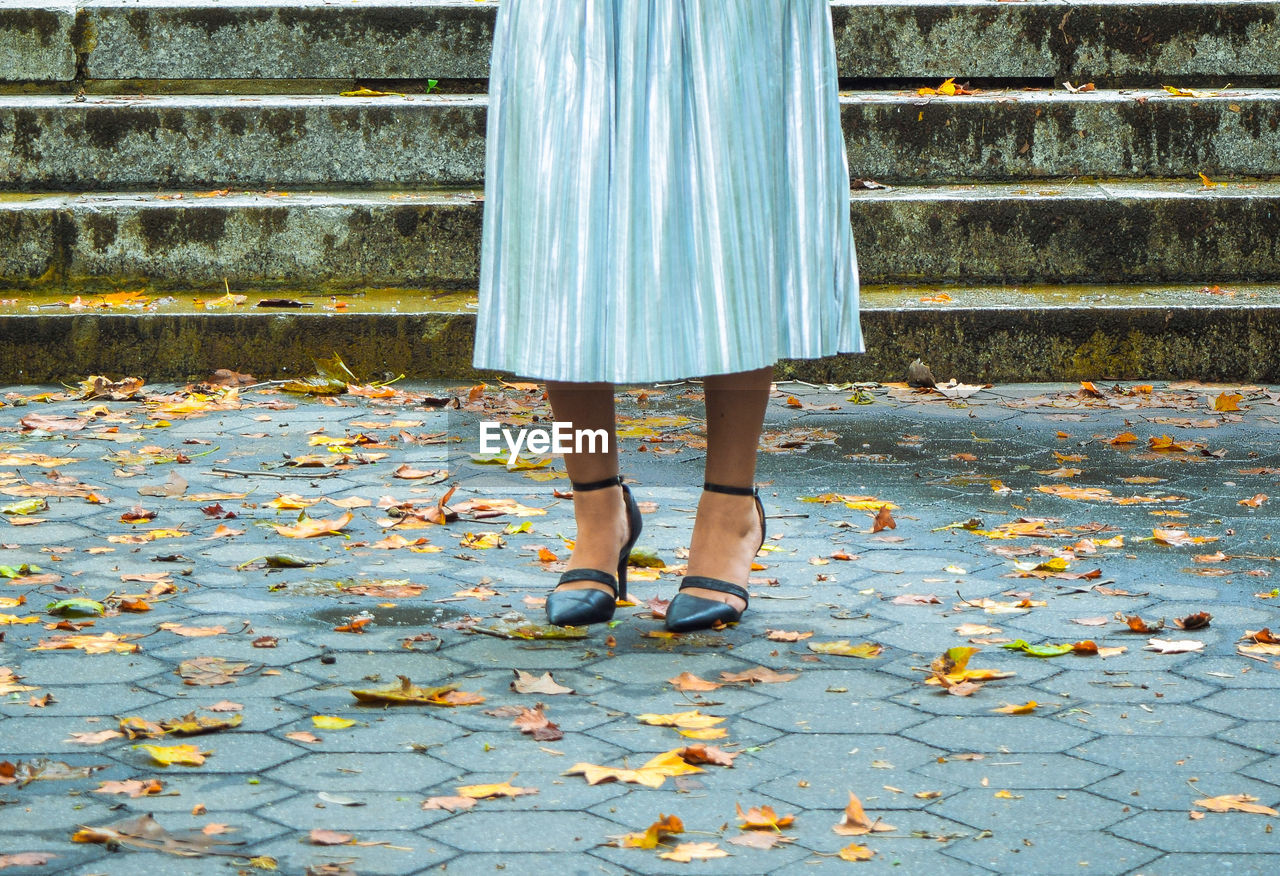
(607, 525)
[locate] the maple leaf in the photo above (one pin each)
(652, 774)
(319, 837)
(450, 804)
(168, 755)
(855, 852)
(758, 675)
(1236, 803)
(700, 753)
(309, 528)
(687, 681)
(132, 787)
(787, 635)
(1181, 646)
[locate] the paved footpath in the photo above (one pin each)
(1023, 513)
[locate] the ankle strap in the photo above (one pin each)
(614, 481)
(733, 491)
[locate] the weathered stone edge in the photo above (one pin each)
(328, 141)
(972, 344)
(1085, 233)
(1058, 40)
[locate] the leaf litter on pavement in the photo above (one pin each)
(1045, 530)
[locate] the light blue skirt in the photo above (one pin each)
(666, 191)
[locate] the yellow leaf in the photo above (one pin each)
(1227, 401)
(652, 774)
(691, 720)
(503, 789)
(762, 818)
(329, 722)
(1025, 709)
(855, 821)
(407, 693)
(705, 733)
(1236, 803)
(308, 528)
(855, 852)
(842, 648)
(167, 755)
(665, 826)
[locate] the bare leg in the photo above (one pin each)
(600, 514)
(726, 532)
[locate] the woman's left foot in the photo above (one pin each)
(727, 534)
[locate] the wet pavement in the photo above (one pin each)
(1022, 513)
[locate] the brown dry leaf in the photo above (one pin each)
(526, 682)
(759, 839)
(788, 635)
(449, 804)
(1179, 537)
(94, 738)
(1263, 636)
(758, 675)
(534, 722)
(686, 852)
(1255, 502)
(319, 837)
(1138, 625)
(855, 822)
(916, 599)
(650, 837)
(500, 789)
(1235, 803)
(192, 632)
(691, 720)
(1197, 621)
(26, 859)
(968, 629)
(700, 753)
(687, 681)
(132, 787)
(144, 832)
(224, 706)
(304, 736)
(884, 520)
(762, 818)
(209, 671)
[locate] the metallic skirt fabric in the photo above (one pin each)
(666, 190)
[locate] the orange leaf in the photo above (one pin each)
(762, 818)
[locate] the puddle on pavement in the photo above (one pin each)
(399, 616)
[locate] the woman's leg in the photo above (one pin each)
(600, 514)
(726, 532)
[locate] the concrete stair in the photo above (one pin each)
(174, 145)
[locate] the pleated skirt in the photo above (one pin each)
(666, 191)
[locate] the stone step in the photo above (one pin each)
(1081, 232)
(980, 334)
(318, 141)
(1061, 40)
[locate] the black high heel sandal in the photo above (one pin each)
(588, 605)
(688, 612)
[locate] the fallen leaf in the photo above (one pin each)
(650, 837)
(686, 852)
(319, 837)
(168, 755)
(652, 774)
(1025, 709)
(1235, 803)
(842, 648)
(884, 520)
(501, 789)
(758, 675)
(1197, 621)
(855, 822)
(687, 681)
(406, 693)
(689, 720)
(449, 804)
(132, 787)
(526, 683)
(1181, 646)
(855, 852)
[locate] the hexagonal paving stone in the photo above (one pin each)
(1247, 704)
(1230, 833)
(1189, 755)
(1230, 672)
(357, 669)
(935, 701)
(996, 733)
(838, 716)
(368, 811)
(1257, 735)
(49, 669)
(351, 773)
(395, 852)
(260, 684)
(1015, 772)
(509, 750)
(550, 862)
(88, 701)
(229, 752)
(1015, 849)
(1031, 810)
(379, 731)
(1146, 789)
(1100, 686)
(496, 831)
(1268, 770)
(1185, 864)
(1158, 719)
